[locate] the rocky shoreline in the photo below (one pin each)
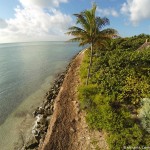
(66, 128)
(44, 112)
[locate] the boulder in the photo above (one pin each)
(50, 96)
(48, 119)
(41, 119)
(41, 110)
(31, 143)
(47, 107)
(49, 112)
(52, 108)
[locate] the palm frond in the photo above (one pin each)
(81, 19)
(101, 22)
(93, 10)
(110, 32)
(74, 28)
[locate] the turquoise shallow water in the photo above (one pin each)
(24, 67)
(26, 74)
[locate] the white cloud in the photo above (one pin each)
(42, 3)
(34, 21)
(137, 10)
(3, 23)
(107, 12)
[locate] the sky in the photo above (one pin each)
(48, 20)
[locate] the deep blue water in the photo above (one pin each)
(25, 66)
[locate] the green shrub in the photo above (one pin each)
(128, 137)
(120, 79)
(144, 114)
(87, 95)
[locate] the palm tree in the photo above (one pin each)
(90, 32)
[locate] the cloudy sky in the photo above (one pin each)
(48, 20)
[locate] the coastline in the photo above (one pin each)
(60, 122)
(45, 111)
(65, 108)
(68, 129)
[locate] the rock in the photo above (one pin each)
(48, 119)
(52, 108)
(54, 92)
(45, 129)
(35, 132)
(50, 96)
(41, 119)
(49, 112)
(31, 143)
(41, 110)
(57, 85)
(37, 126)
(34, 113)
(46, 94)
(45, 103)
(47, 107)
(52, 101)
(72, 130)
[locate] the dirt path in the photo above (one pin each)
(68, 129)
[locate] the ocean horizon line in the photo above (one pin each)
(35, 42)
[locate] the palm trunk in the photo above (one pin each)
(90, 64)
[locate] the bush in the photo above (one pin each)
(87, 95)
(128, 137)
(144, 114)
(120, 79)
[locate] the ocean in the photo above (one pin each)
(27, 71)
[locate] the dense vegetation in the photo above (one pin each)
(117, 99)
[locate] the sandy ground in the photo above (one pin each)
(68, 129)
